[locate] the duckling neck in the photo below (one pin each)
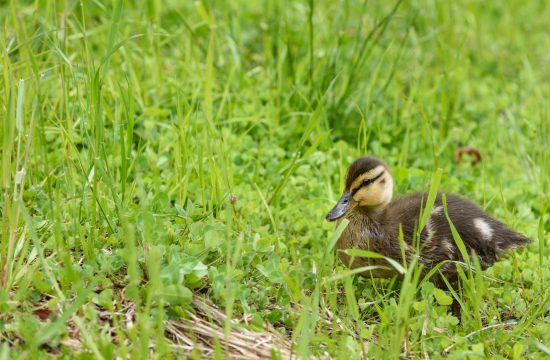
(373, 213)
(364, 223)
(369, 218)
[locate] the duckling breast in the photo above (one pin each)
(365, 233)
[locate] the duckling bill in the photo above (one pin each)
(375, 220)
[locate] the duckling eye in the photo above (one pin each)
(366, 182)
(370, 181)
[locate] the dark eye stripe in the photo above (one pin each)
(369, 181)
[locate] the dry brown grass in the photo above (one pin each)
(198, 334)
(205, 328)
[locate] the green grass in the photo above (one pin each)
(152, 150)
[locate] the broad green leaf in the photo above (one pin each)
(177, 294)
(213, 239)
(442, 298)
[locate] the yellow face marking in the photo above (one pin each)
(365, 196)
(366, 175)
(376, 195)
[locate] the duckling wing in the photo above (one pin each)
(480, 232)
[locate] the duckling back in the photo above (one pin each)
(486, 236)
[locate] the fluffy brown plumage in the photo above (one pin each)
(374, 221)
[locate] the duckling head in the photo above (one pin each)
(369, 185)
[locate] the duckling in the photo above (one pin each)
(375, 221)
